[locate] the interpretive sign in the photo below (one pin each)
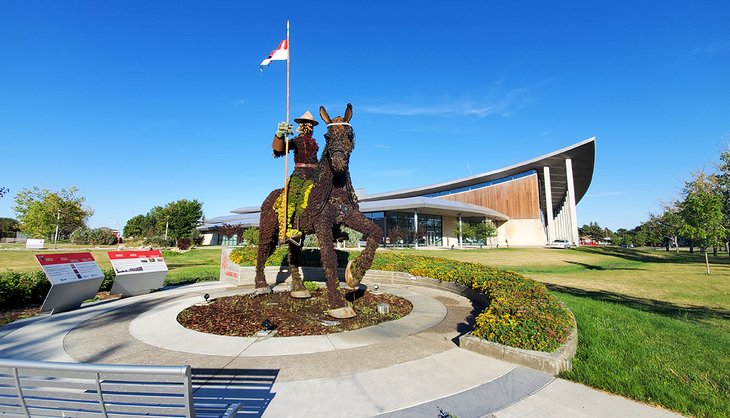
(35, 244)
(74, 277)
(137, 272)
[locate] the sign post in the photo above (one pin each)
(138, 272)
(74, 277)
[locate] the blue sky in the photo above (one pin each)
(139, 103)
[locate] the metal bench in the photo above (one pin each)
(34, 389)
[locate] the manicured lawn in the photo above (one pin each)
(651, 354)
(652, 325)
(197, 260)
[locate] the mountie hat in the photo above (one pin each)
(306, 118)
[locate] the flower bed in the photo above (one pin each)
(521, 312)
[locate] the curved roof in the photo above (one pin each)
(582, 155)
(431, 206)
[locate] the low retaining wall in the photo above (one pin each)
(553, 363)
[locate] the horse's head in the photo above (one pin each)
(340, 138)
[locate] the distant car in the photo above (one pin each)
(560, 243)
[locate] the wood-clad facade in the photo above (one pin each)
(518, 199)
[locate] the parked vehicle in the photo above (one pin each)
(560, 243)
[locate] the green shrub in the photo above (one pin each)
(184, 243)
(20, 289)
(521, 312)
(97, 236)
(156, 241)
(106, 284)
(312, 286)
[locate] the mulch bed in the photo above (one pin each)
(15, 314)
(243, 315)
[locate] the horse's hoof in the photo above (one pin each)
(351, 281)
(342, 313)
(261, 291)
(301, 294)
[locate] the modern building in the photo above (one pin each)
(531, 203)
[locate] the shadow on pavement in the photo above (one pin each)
(251, 387)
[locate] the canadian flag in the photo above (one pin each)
(279, 54)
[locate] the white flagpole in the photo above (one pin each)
(286, 137)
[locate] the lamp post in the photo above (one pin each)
(167, 224)
(55, 237)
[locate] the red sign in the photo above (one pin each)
(66, 258)
(125, 255)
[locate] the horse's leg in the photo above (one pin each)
(268, 238)
(298, 290)
(372, 233)
(338, 305)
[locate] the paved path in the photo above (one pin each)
(406, 368)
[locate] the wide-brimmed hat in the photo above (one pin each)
(306, 118)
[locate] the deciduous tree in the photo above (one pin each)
(39, 209)
(702, 213)
(8, 227)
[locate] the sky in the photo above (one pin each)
(141, 103)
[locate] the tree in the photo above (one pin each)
(3, 191)
(39, 209)
(592, 230)
(8, 227)
(180, 218)
(140, 226)
(723, 185)
(702, 213)
(669, 224)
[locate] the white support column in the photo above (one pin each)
(548, 204)
(415, 228)
(461, 238)
(571, 202)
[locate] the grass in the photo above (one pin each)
(656, 357)
(187, 263)
(652, 325)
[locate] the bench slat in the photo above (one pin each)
(141, 388)
(11, 408)
(60, 384)
(62, 403)
(143, 399)
(141, 377)
(144, 409)
(65, 394)
(51, 412)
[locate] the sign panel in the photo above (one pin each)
(35, 244)
(69, 267)
(74, 277)
(137, 272)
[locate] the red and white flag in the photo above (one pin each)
(279, 54)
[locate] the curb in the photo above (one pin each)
(552, 363)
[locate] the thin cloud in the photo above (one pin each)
(383, 146)
(713, 49)
(500, 107)
(546, 133)
(605, 194)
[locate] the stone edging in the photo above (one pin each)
(553, 363)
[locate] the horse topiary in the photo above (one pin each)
(331, 202)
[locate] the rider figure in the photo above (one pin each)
(305, 146)
(305, 162)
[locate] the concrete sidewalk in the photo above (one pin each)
(406, 368)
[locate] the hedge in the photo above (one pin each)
(23, 289)
(521, 312)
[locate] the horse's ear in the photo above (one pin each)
(323, 114)
(348, 112)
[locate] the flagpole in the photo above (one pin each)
(286, 137)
